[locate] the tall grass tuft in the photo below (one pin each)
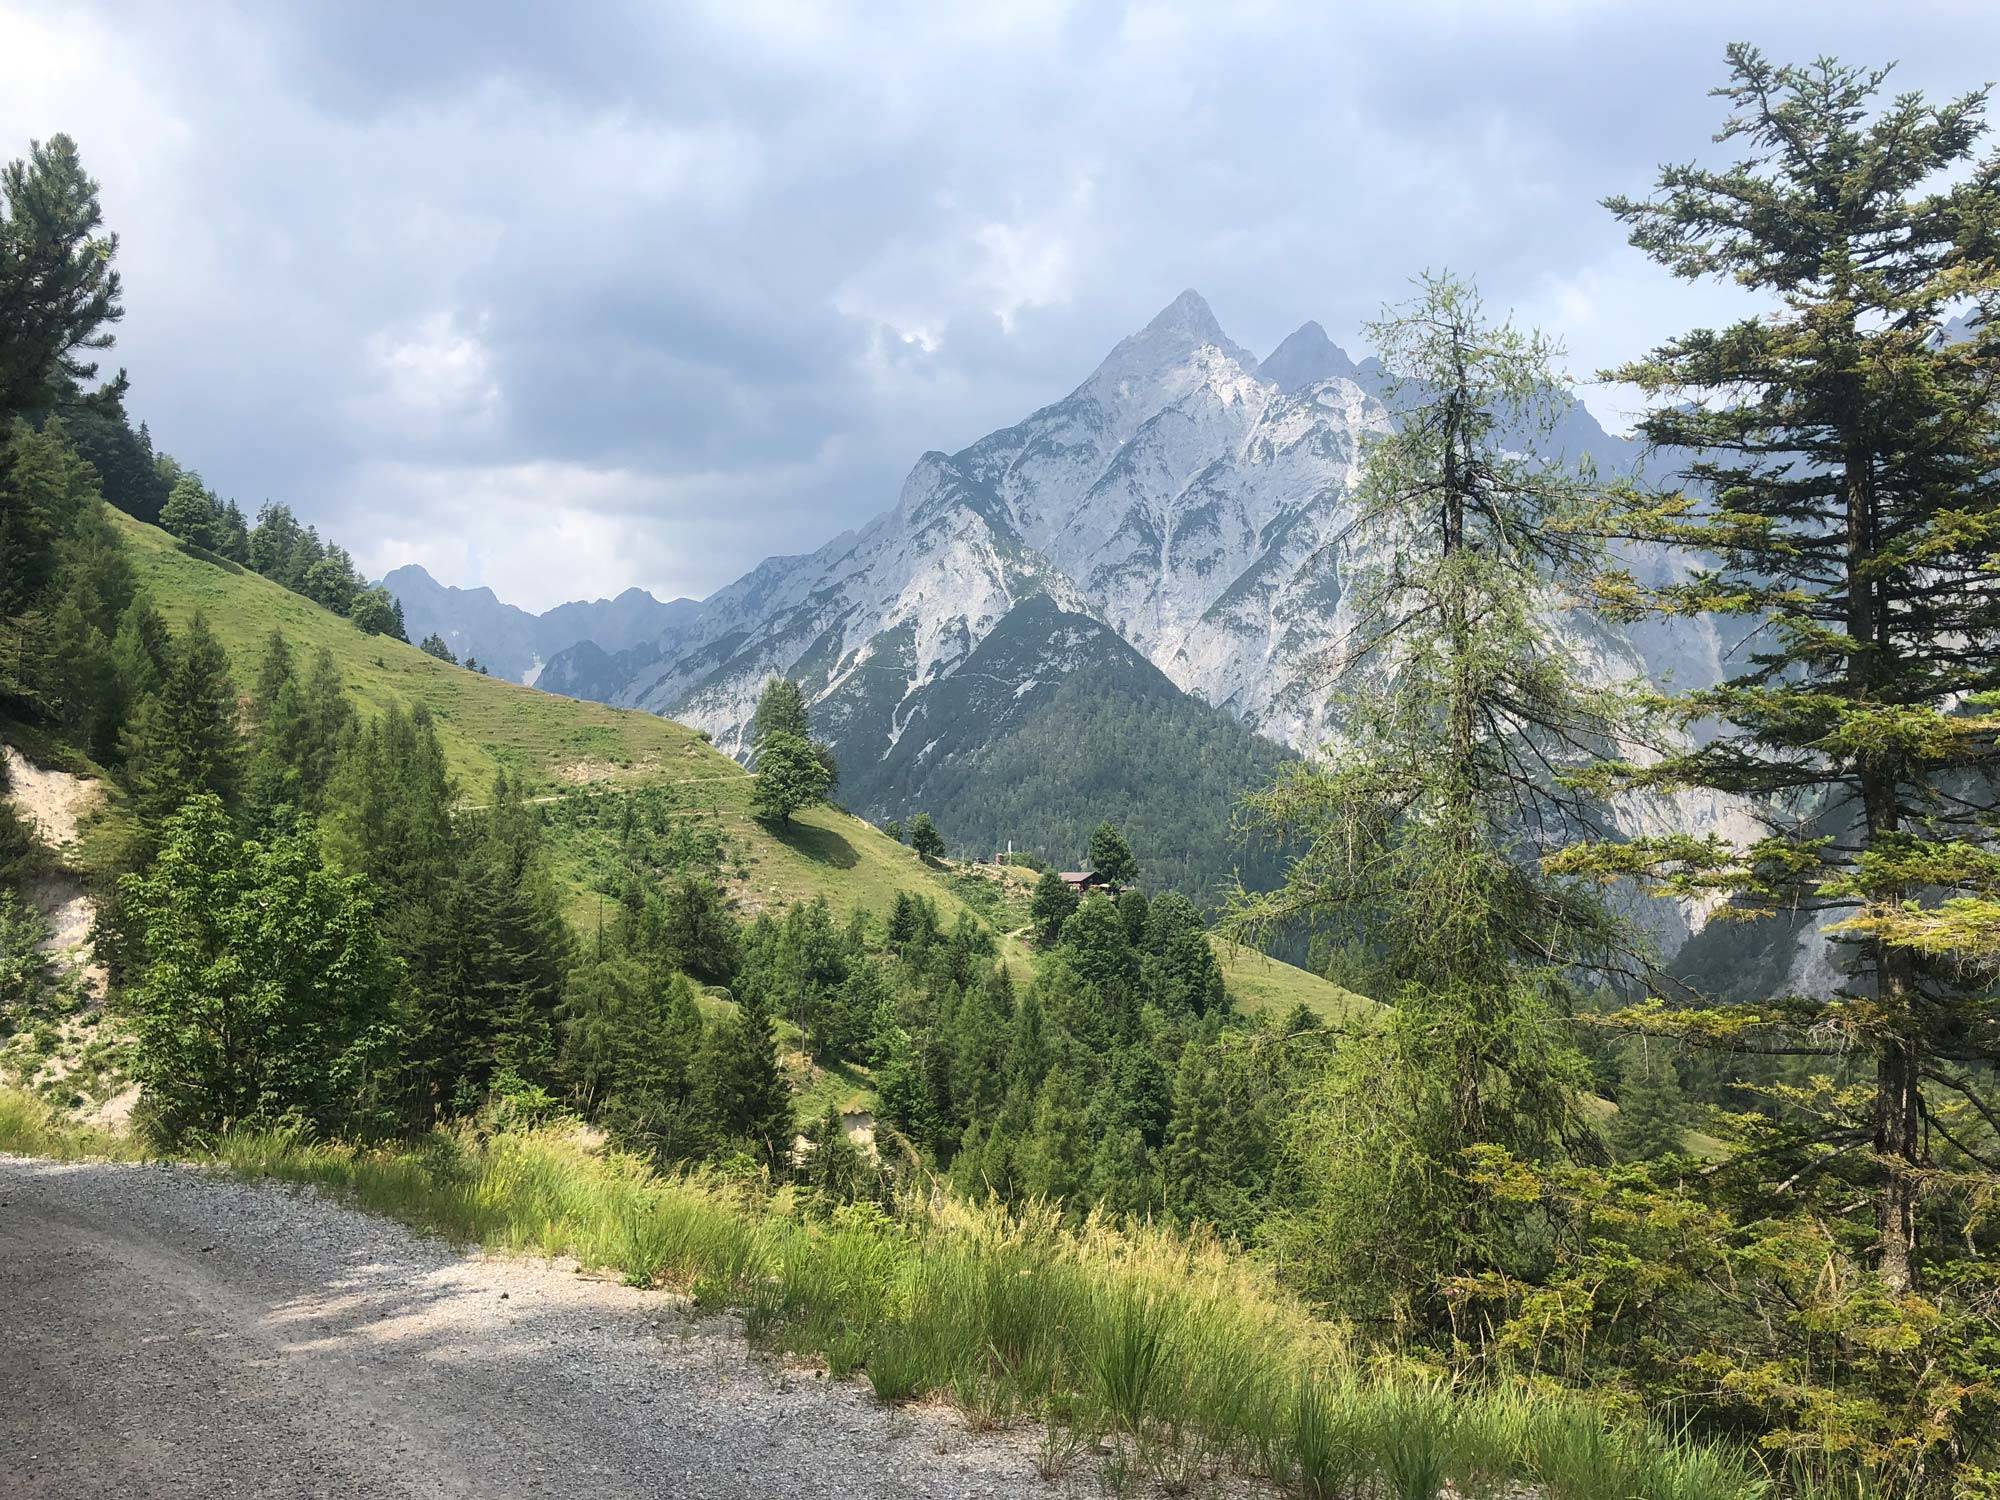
(1325, 1458)
(1128, 1357)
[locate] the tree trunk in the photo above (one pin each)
(1897, 1137)
(1897, 1143)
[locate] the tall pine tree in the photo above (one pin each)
(1839, 449)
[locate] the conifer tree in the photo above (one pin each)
(909, 922)
(389, 814)
(1029, 1052)
(274, 670)
(1111, 857)
(18, 846)
(137, 661)
(1095, 942)
(1053, 904)
(835, 1171)
(1652, 1115)
(698, 932)
(58, 291)
(232, 535)
(978, 1065)
(1197, 1161)
(79, 670)
(747, 1097)
(1123, 1177)
(1839, 449)
(183, 741)
(1464, 702)
(272, 541)
(1054, 1160)
(327, 725)
(1132, 907)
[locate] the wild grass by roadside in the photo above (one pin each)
(30, 1126)
(1178, 1356)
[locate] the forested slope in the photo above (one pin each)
(583, 753)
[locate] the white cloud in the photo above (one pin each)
(433, 374)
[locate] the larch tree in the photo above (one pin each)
(1465, 699)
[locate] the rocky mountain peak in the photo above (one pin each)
(1161, 362)
(1190, 315)
(1306, 357)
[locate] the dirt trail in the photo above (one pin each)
(165, 1332)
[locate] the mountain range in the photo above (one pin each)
(1177, 530)
(512, 643)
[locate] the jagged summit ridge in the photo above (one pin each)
(1306, 357)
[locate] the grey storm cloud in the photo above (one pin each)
(561, 300)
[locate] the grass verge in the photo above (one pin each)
(30, 1126)
(1180, 1355)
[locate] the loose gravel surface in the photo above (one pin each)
(170, 1332)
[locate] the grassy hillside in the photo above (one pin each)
(552, 744)
(486, 724)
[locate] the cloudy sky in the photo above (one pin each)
(562, 302)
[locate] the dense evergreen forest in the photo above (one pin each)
(1781, 1239)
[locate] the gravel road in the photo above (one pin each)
(167, 1332)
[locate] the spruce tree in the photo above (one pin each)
(184, 739)
(698, 932)
(1195, 1163)
(747, 1097)
(1652, 1115)
(1838, 451)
